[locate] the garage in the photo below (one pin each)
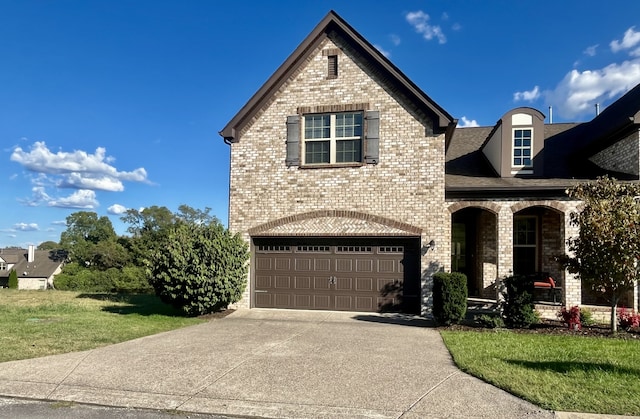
(349, 274)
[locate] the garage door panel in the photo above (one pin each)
(303, 265)
(322, 302)
(282, 264)
(264, 299)
(364, 284)
(322, 265)
(302, 282)
(364, 265)
(321, 283)
(344, 302)
(283, 282)
(263, 263)
(365, 303)
(303, 301)
(283, 300)
(386, 266)
(263, 281)
(344, 283)
(344, 265)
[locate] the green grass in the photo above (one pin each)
(39, 323)
(561, 373)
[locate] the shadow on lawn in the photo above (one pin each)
(569, 367)
(142, 304)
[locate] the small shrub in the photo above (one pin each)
(571, 317)
(628, 319)
(490, 321)
(449, 297)
(518, 309)
(586, 317)
(13, 279)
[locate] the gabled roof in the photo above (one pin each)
(45, 263)
(332, 22)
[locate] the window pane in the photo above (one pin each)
(317, 126)
(348, 151)
(316, 152)
(526, 162)
(348, 124)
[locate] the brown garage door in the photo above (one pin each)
(337, 274)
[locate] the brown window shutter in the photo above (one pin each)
(293, 140)
(372, 139)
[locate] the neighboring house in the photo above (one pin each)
(352, 186)
(35, 268)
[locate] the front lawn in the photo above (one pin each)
(561, 373)
(39, 323)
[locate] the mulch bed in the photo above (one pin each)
(549, 327)
(216, 315)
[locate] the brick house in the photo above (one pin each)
(352, 186)
(35, 269)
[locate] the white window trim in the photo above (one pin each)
(333, 140)
(521, 169)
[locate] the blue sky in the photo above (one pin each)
(109, 105)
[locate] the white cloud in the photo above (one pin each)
(395, 39)
(591, 51)
(59, 223)
(382, 51)
(117, 209)
(26, 227)
(630, 40)
(528, 96)
(420, 22)
(464, 122)
(78, 169)
(579, 91)
(81, 199)
(81, 181)
(40, 159)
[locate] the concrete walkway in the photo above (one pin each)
(277, 364)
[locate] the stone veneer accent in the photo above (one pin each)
(623, 156)
(406, 187)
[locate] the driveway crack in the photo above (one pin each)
(427, 393)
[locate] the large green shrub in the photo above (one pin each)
(518, 309)
(449, 297)
(13, 279)
(201, 268)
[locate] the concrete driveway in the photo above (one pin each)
(274, 363)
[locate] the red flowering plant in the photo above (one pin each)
(628, 319)
(571, 317)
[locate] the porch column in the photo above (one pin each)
(571, 286)
(504, 247)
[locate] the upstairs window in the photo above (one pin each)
(3, 265)
(522, 146)
(332, 138)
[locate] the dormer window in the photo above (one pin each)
(522, 146)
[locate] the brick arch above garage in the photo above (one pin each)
(335, 223)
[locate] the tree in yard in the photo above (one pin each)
(84, 231)
(13, 279)
(200, 268)
(607, 250)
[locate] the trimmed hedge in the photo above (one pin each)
(449, 297)
(518, 308)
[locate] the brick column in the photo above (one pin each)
(571, 286)
(505, 246)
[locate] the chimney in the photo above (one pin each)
(31, 256)
(597, 109)
(550, 114)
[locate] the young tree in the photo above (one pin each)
(13, 279)
(606, 253)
